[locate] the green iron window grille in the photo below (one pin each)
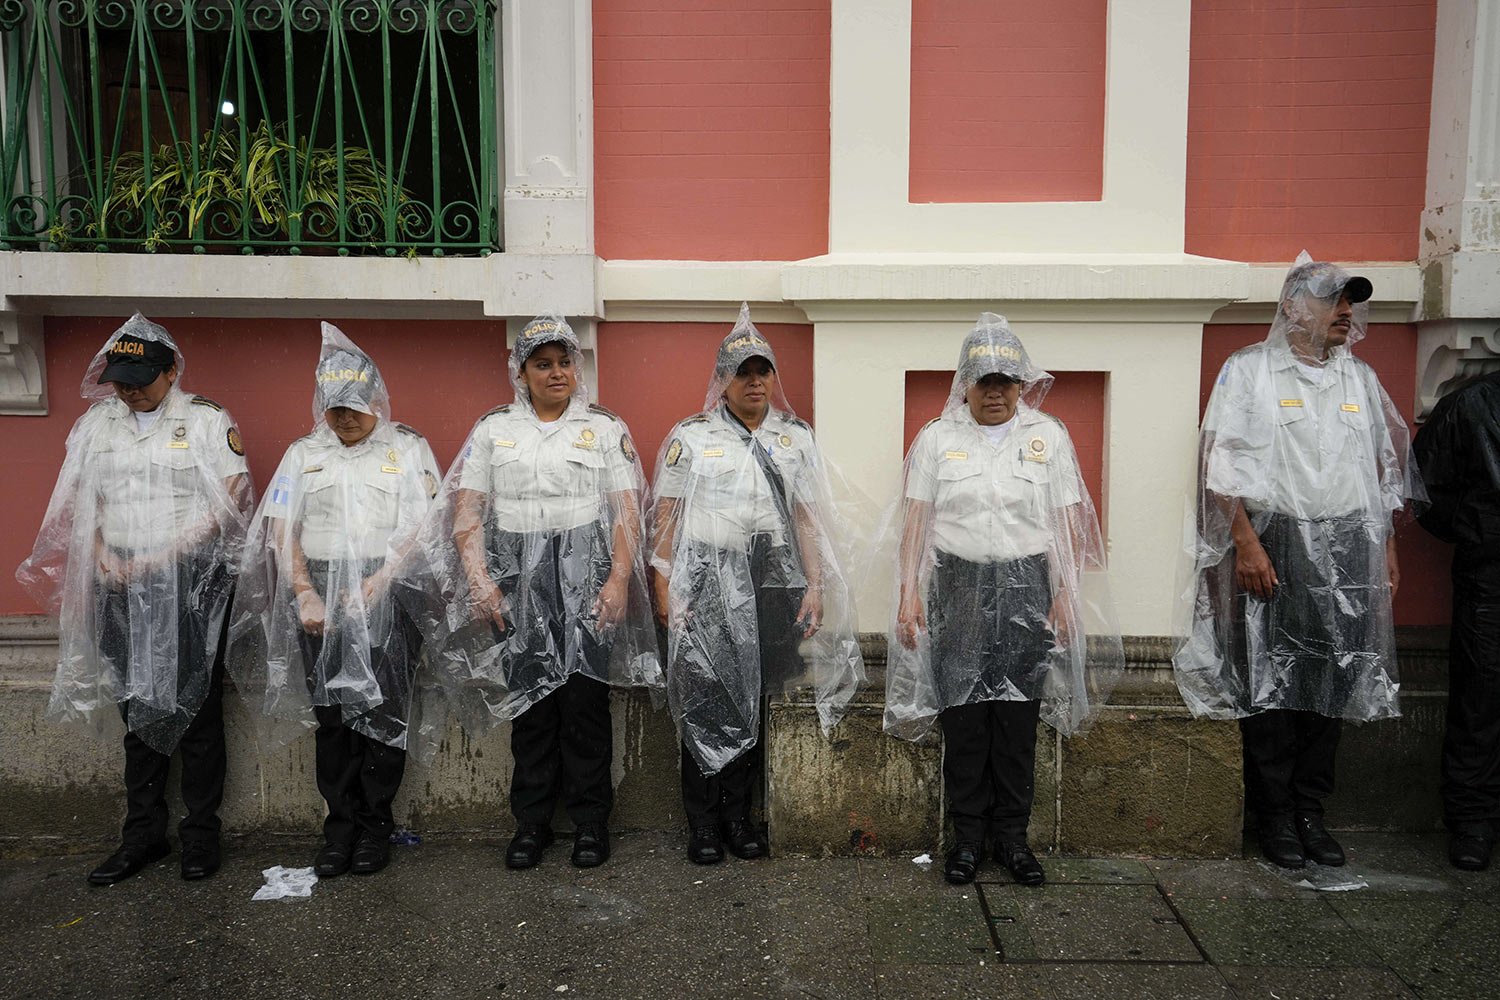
(348, 126)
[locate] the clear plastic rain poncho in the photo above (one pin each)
(138, 551)
(1300, 444)
(748, 538)
(318, 621)
(533, 551)
(1000, 587)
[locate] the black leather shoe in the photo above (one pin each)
(527, 845)
(962, 862)
(332, 860)
(371, 854)
(1023, 866)
(1317, 845)
(744, 840)
(200, 859)
(590, 845)
(1281, 845)
(125, 862)
(704, 847)
(1470, 850)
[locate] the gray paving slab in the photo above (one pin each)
(1252, 982)
(1220, 880)
(1281, 932)
(1442, 946)
(1080, 981)
(1092, 923)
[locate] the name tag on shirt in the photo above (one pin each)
(956, 456)
(504, 444)
(1350, 407)
(391, 468)
(177, 444)
(1291, 402)
(713, 452)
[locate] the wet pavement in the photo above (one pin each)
(446, 919)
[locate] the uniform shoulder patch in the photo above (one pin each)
(403, 428)
(596, 408)
(205, 401)
(697, 418)
(798, 422)
(232, 436)
(498, 409)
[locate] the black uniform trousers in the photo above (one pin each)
(729, 795)
(359, 776)
(1313, 643)
(198, 587)
(1289, 759)
(562, 745)
(989, 637)
(1471, 744)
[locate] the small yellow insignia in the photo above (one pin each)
(1038, 446)
(179, 432)
(674, 452)
(235, 444)
(177, 444)
(713, 452)
(393, 469)
(504, 444)
(587, 434)
(1291, 402)
(956, 456)
(1350, 407)
(391, 456)
(312, 468)
(786, 440)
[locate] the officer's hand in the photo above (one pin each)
(111, 570)
(1392, 570)
(659, 593)
(1253, 570)
(488, 601)
(810, 614)
(1060, 619)
(312, 612)
(609, 607)
(373, 588)
(911, 619)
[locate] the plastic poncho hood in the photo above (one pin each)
(999, 586)
(319, 620)
(748, 530)
(138, 551)
(1300, 439)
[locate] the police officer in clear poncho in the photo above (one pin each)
(318, 632)
(137, 556)
(1303, 461)
(1002, 612)
(539, 589)
(750, 584)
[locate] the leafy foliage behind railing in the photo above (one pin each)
(348, 125)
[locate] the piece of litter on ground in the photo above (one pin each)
(71, 923)
(922, 859)
(286, 883)
(405, 838)
(520, 925)
(699, 882)
(561, 989)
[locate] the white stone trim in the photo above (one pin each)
(23, 374)
(1145, 145)
(547, 125)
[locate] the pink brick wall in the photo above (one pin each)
(1007, 100)
(1307, 124)
(711, 129)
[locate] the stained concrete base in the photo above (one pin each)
(1146, 779)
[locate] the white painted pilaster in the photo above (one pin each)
(547, 125)
(23, 375)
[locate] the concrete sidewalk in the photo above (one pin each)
(447, 920)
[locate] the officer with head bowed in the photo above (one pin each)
(540, 589)
(137, 556)
(319, 633)
(994, 615)
(749, 583)
(1288, 626)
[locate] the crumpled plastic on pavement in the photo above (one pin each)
(1320, 877)
(286, 883)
